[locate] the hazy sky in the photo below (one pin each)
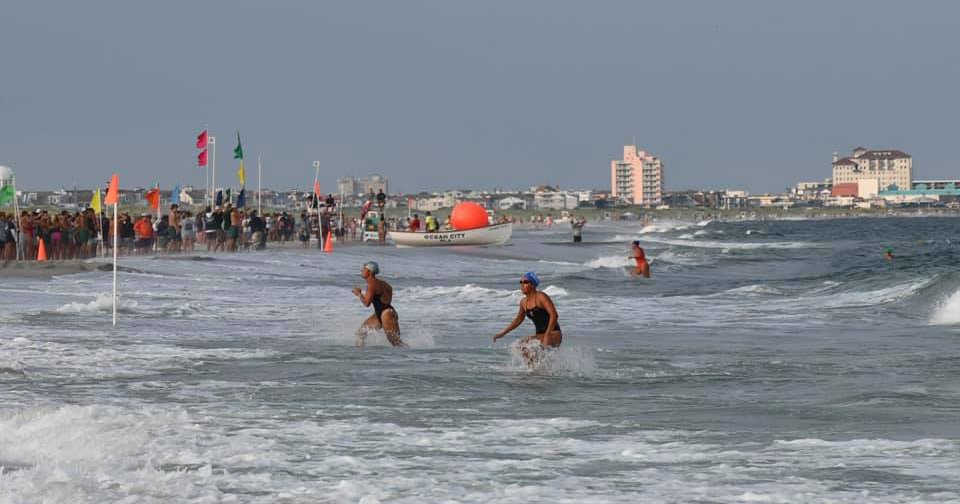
(438, 94)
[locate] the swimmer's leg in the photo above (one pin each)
(391, 327)
(371, 324)
(530, 349)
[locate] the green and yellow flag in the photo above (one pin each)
(238, 154)
(6, 194)
(95, 202)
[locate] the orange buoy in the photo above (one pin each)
(42, 252)
(328, 243)
(468, 215)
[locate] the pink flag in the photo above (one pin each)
(202, 140)
(202, 158)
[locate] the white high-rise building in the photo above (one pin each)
(890, 167)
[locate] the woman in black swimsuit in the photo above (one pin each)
(538, 307)
(379, 294)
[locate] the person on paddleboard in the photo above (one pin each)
(643, 267)
(379, 294)
(539, 308)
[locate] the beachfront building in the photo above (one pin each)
(637, 178)
(815, 190)
(436, 201)
(548, 198)
(363, 185)
(512, 203)
(347, 185)
(891, 168)
(924, 191)
(373, 184)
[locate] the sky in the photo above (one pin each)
(752, 95)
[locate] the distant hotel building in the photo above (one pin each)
(888, 167)
(359, 186)
(637, 178)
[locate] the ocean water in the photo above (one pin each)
(774, 362)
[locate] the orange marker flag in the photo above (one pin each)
(153, 197)
(113, 192)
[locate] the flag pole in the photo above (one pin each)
(316, 202)
(259, 210)
(206, 167)
(101, 251)
(116, 236)
(16, 211)
(212, 140)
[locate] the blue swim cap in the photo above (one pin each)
(372, 267)
(534, 279)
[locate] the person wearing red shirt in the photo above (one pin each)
(144, 231)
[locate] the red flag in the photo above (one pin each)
(202, 140)
(113, 192)
(202, 158)
(153, 196)
(316, 188)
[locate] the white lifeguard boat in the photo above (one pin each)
(496, 234)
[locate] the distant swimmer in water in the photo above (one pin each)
(379, 294)
(888, 255)
(643, 267)
(538, 307)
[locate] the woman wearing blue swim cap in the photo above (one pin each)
(379, 294)
(538, 307)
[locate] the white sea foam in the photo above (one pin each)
(679, 256)
(562, 361)
(665, 227)
(611, 261)
(468, 292)
(882, 296)
(53, 360)
(412, 335)
(948, 311)
(102, 303)
(731, 245)
(756, 289)
(471, 293)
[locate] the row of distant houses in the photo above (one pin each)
(537, 198)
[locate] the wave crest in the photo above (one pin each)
(948, 312)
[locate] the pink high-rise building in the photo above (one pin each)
(637, 178)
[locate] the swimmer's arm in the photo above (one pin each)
(367, 298)
(513, 325)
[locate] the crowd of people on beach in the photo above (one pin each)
(85, 234)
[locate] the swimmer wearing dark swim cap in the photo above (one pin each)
(539, 308)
